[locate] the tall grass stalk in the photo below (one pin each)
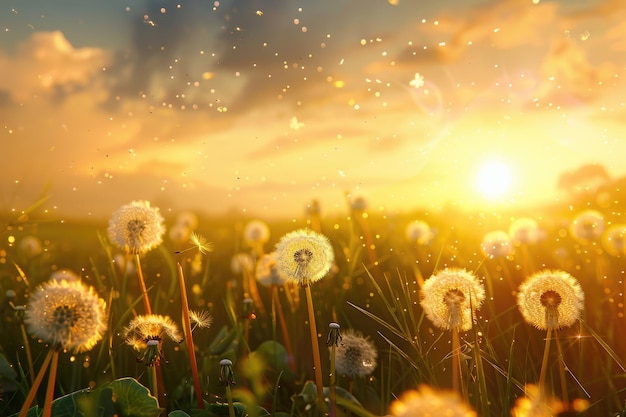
(189, 337)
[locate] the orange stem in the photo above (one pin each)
(189, 337)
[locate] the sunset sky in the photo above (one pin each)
(260, 106)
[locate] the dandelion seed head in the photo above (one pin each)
(497, 244)
(64, 275)
(449, 297)
(614, 240)
(30, 247)
(179, 235)
(550, 299)
(136, 228)
(66, 314)
(588, 226)
(256, 232)
(148, 327)
(427, 402)
(418, 232)
(304, 256)
(356, 355)
(241, 262)
(524, 231)
(267, 272)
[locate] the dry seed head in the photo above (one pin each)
(497, 244)
(148, 327)
(614, 240)
(266, 271)
(255, 232)
(355, 356)
(588, 226)
(449, 297)
(304, 256)
(136, 228)
(524, 231)
(550, 299)
(66, 314)
(418, 232)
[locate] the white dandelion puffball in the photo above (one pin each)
(67, 314)
(136, 228)
(450, 297)
(304, 256)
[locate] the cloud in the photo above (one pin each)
(47, 65)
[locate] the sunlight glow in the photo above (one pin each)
(493, 179)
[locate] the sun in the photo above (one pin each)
(493, 180)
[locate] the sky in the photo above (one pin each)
(259, 107)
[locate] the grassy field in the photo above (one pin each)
(373, 288)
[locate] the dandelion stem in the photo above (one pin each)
(189, 337)
(33, 389)
(47, 405)
(333, 383)
(564, 396)
(155, 383)
(277, 307)
(317, 362)
(456, 361)
(229, 398)
(544, 364)
(142, 286)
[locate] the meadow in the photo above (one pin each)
(497, 364)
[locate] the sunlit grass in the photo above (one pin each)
(374, 287)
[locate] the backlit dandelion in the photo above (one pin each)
(66, 314)
(136, 227)
(446, 298)
(497, 244)
(524, 231)
(550, 299)
(64, 275)
(267, 273)
(426, 402)
(614, 240)
(418, 232)
(304, 256)
(146, 334)
(588, 226)
(355, 355)
(255, 232)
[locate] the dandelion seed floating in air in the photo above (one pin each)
(136, 228)
(550, 299)
(66, 314)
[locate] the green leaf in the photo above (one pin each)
(8, 376)
(223, 341)
(133, 399)
(178, 413)
(273, 354)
